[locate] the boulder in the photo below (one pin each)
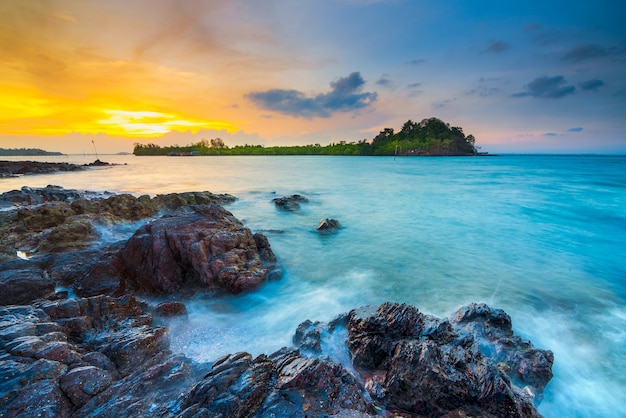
(290, 203)
(196, 247)
(328, 225)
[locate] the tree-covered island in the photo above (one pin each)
(26, 152)
(430, 137)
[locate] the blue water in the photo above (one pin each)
(542, 237)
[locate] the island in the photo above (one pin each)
(430, 137)
(26, 152)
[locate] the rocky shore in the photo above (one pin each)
(80, 335)
(18, 168)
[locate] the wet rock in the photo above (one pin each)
(527, 365)
(174, 201)
(170, 309)
(328, 225)
(290, 203)
(283, 384)
(423, 365)
(27, 196)
(198, 247)
(83, 383)
(22, 283)
(77, 233)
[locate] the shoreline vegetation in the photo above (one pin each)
(430, 137)
(26, 152)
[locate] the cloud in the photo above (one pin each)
(413, 85)
(443, 103)
(344, 96)
(497, 47)
(591, 85)
(385, 82)
(547, 88)
(578, 129)
(585, 52)
(551, 134)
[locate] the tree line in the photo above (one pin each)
(428, 137)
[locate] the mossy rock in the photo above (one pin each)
(76, 233)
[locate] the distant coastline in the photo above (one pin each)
(26, 152)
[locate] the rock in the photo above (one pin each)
(290, 203)
(83, 383)
(22, 282)
(197, 247)
(14, 168)
(423, 365)
(283, 384)
(174, 201)
(328, 225)
(28, 196)
(77, 233)
(494, 330)
(170, 309)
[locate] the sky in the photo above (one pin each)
(521, 76)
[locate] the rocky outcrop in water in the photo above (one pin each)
(196, 247)
(290, 203)
(15, 168)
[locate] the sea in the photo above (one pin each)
(541, 236)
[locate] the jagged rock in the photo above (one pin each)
(328, 225)
(77, 233)
(283, 384)
(527, 364)
(198, 247)
(83, 383)
(14, 168)
(290, 203)
(174, 201)
(423, 365)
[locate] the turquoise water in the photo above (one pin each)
(542, 237)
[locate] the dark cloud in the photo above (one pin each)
(482, 91)
(385, 82)
(497, 47)
(578, 129)
(585, 52)
(344, 96)
(413, 85)
(592, 85)
(547, 88)
(550, 134)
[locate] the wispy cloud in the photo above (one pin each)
(547, 88)
(585, 52)
(344, 96)
(591, 85)
(497, 47)
(577, 129)
(385, 82)
(417, 61)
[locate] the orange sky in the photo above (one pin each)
(176, 71)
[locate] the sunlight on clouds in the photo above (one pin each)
(148, 123)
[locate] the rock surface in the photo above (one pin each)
(198, 247)
(328, 225)
(290, 203)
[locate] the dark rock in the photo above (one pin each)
(198, 247)
(283, 384)
(169, 309)
(174, 201)
(493, 327)
(328, 225)
(102, 277)
(83, 383)
(290, 203)
(23, 283)
(14, 168)
(420, 364)
(28, 196)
